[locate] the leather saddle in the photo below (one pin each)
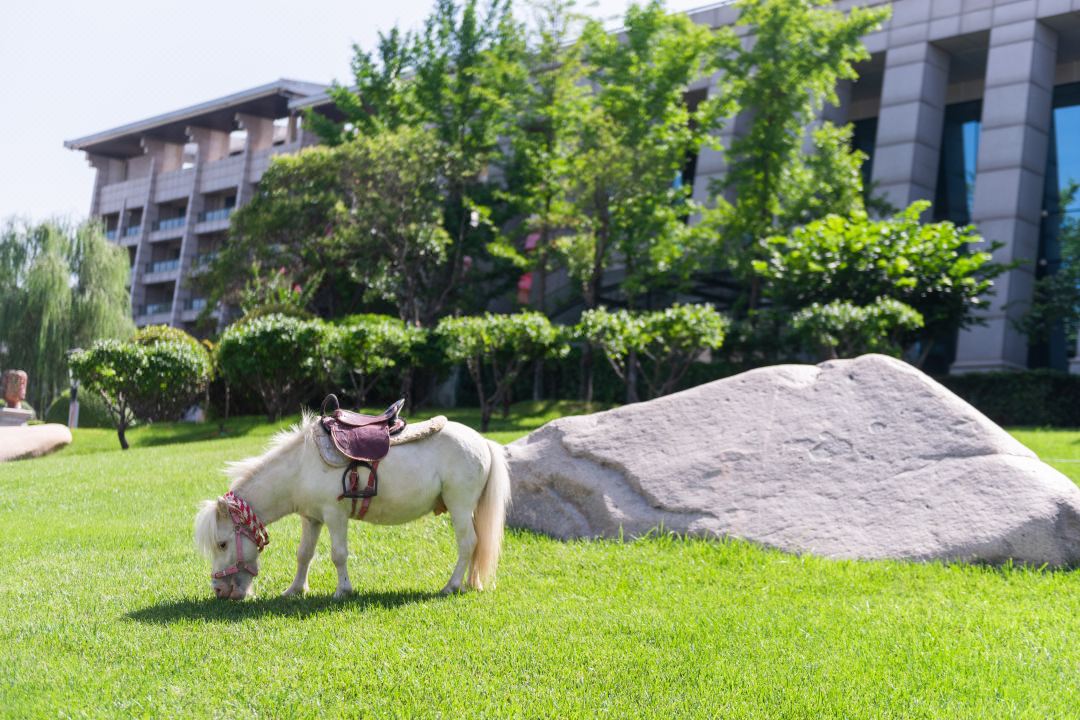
(365, 440)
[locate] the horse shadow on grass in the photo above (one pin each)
(227, 611)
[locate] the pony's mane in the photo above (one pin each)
(240, 471)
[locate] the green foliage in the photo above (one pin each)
(625, 148)
(498, 346)
(842, 329)
(156, 334)
(365, 214)
(1029, 398)
(658, 346)
(781, 81)
(283, 359)
(370, 347)
(92, 410)
(277, 292)
(1056, 301)
(858, 260)
(465, 75)
(62, 287)
(153, 380)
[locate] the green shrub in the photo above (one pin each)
(368, 349)
(281, 358)
(494, 349)
(656, 347)
(92, 410)
(843, 329)
(156, 381)
(1030, 398)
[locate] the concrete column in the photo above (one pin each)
(142, 249)
(1017, 109)
(1074, 364)
(910, 122)
(710, 161)
(189, 242)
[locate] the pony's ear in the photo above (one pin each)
(222, 508)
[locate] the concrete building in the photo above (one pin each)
(165, 187)
(971, 104)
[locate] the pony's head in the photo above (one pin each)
(234, 556)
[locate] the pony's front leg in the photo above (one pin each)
(309, 538)
(339, 552)
(465, 535)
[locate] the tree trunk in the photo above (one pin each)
(120, 434)
(587, 361)
(632, 378)
(538, 380)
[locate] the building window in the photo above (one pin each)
(956, 166)
(1061, 214)
(864, 139)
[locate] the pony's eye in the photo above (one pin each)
(222, 545)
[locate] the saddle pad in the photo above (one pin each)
(411, 433)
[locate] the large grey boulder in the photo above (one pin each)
(863, 458)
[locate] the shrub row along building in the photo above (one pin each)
(972, 104)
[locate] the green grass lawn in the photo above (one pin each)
(106, 612)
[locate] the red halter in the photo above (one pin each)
(245, 523)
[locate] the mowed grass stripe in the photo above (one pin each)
(107, 612)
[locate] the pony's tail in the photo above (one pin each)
(489, 520)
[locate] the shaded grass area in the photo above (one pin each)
(107, 612)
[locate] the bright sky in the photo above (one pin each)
(70, 68)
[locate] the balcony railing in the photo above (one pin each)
(132, 230)
(204, 259)
(195, 304)
(110, 234)
(170, 223)
(163, 265)
(219, 214)
(156, 308)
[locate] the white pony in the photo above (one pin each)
(455, 469)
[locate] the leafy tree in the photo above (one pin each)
(498, 347)
(541, 139)
(843, 329)
(633, 134)
(155, 379)
(1056, 301)
(278, 356)
(858, 260)
(367, 212)
(781, 81)
(63, 287)
(662, 343)
(459, 79)
(369, 347)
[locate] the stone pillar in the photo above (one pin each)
(1010, 169)
(910, 122)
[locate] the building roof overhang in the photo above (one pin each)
(269, 101)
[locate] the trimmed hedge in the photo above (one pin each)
(1028, 398)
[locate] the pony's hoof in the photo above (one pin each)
(342, 593)
(295, 592)
(452, 590)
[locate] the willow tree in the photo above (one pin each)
(63, 287)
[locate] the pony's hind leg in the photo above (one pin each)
(465, 534)
(309, 538)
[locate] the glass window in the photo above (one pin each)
(863, 139)
(956, 167)
(1061, 217)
